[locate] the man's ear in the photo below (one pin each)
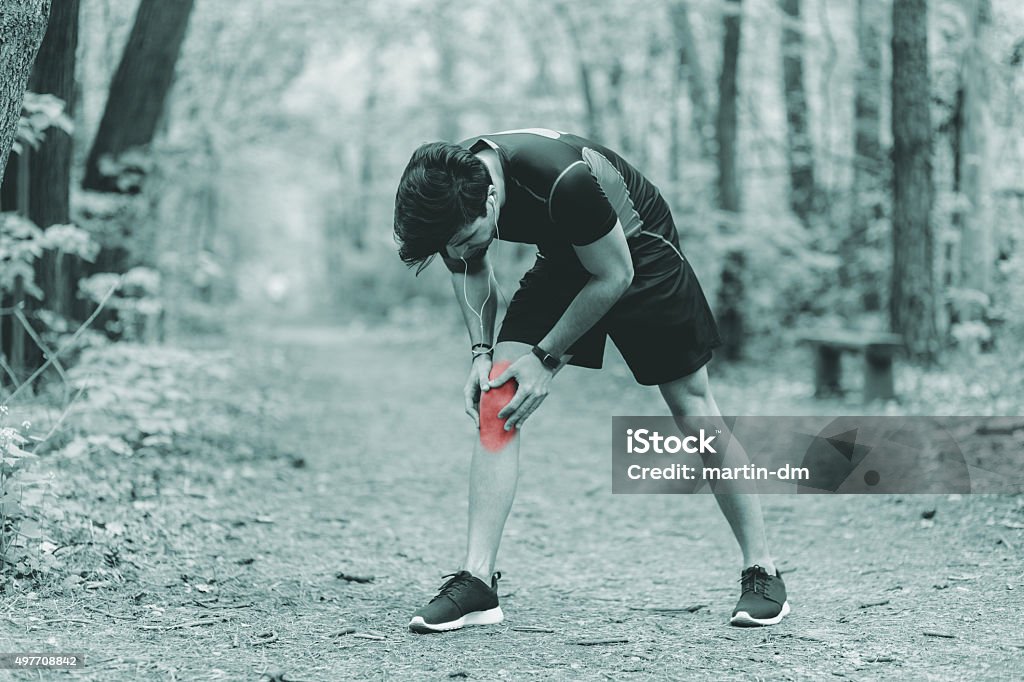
(492, 197)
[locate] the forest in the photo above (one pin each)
(201, 300)
(189, 149)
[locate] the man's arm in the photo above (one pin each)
(611, 268)
(478, 300)
(477, 294)
(609, 262)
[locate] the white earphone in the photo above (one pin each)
(493, 201)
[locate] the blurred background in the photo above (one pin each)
(241, 160)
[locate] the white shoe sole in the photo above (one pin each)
(744, 619)
(488, 617)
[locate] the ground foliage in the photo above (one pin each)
(252, 505)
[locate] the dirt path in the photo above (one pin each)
(230, 569)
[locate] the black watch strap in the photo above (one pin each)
(546, 358)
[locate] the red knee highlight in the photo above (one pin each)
(493, 435)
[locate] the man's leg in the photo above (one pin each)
(691, 397)
(470, 597)
(494, 471)
(763, 598)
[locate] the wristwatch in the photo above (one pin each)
(546, 358)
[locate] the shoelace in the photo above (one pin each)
(458, 582)
(755, 580)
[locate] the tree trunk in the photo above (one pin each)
(799, 151)
(689, 69)
(22, 25)
(869, 163)
(50, 178)
(976, 247)
(616, 110)
(363, 225)
(14, 197)
(139, 87)
(448, 109)
(912, 302)
(335, 224)
(592, 116)
(726, 122)
(731, 292)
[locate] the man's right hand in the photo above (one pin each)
(479, 378)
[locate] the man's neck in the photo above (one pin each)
(493, 163)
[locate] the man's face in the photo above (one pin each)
(473, 239)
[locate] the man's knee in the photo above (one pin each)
(689, 395)
(493, 435)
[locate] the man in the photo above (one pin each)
(609, 264)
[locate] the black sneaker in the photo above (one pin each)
(763, 601)
(463, 600)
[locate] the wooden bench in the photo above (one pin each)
(877, 348)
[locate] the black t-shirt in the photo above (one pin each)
(562, 190)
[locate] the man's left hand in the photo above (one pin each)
(533, 379)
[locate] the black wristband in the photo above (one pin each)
(488, 349)
(546, 358)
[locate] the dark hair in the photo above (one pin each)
(443, 188)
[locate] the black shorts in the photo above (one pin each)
(662, 325)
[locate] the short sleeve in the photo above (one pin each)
(579, 207)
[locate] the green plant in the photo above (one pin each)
(22, 243)
(21, 498)
(39, 112)
(137, 306)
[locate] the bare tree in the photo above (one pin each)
(730, 294)
(22, 25)
(592, 116)
(139, 87)
(869, 162)
(973, 157)
(689, 69)
(799, 151)
(50, 170)
(912, 302)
